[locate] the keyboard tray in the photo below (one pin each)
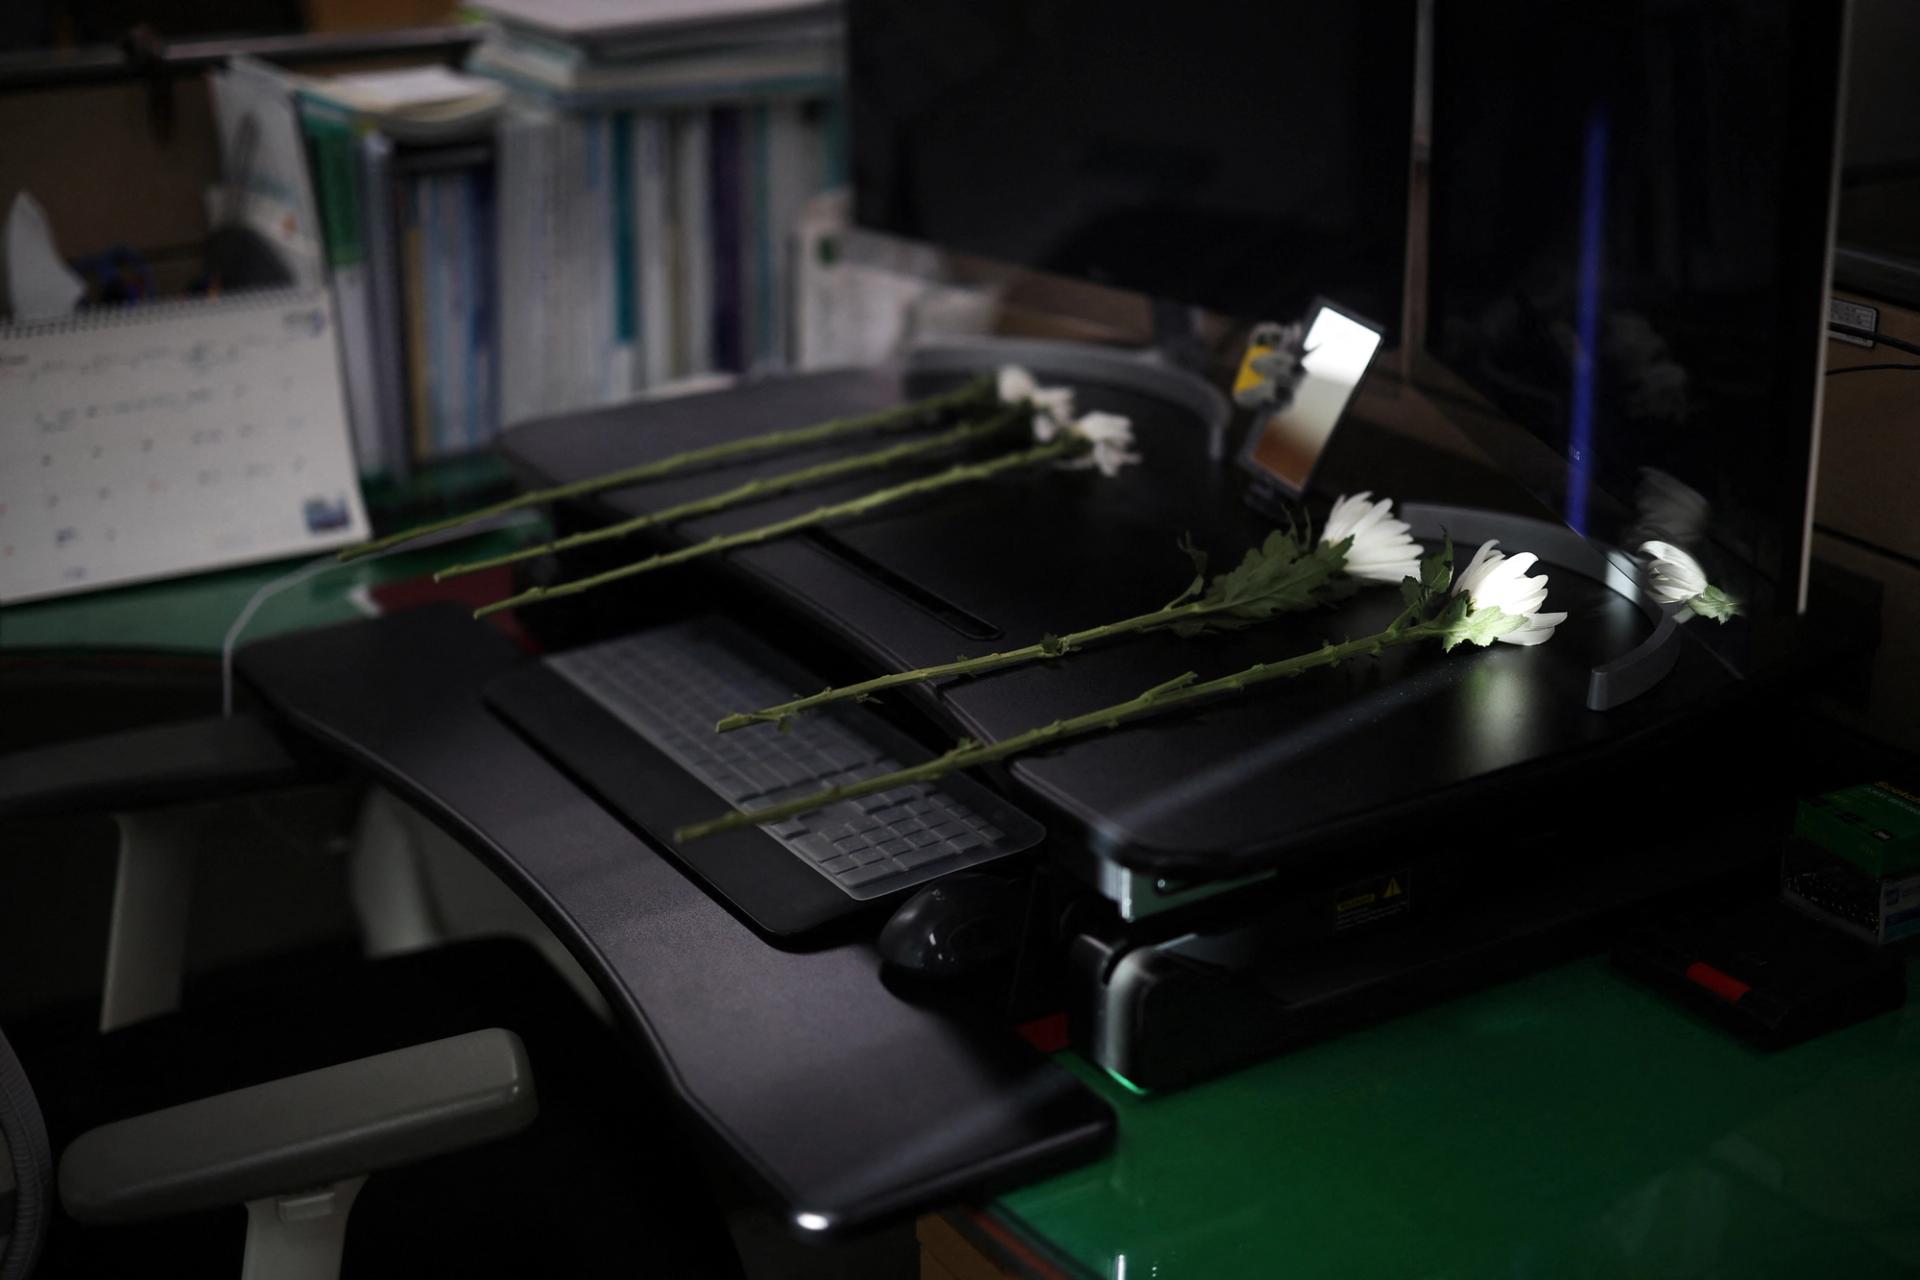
(781, 882)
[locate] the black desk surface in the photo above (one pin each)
(848, 1102)
(1277, 779)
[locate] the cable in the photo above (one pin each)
(1870, 368)
(263, 593)
(314, 568)
(1874, 335)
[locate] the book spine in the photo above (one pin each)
(760, 236)
(725, 195)
(416, 309)
(606, 353)
(385, 268)
(656, 293)
(486, 377)
(333, 157)
(510, 182)
(330, 154)
(790, 182)
(454, 320)
(694, 308)
(626, 309)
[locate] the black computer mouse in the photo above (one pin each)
(955, 926)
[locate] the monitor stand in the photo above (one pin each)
(1169, 371)
(1612, 683)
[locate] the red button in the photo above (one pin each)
(1724, 985)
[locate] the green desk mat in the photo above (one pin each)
(1567, 1124)
(192, 614)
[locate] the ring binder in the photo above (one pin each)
(90, 319)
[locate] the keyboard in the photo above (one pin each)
(671, 684)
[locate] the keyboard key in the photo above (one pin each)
(866, 875)
(965, 841)
(845, 862)
(788, 829)
(895, 846)
(816, 847)
(792, 774)
(763, 778)
(866, 857)
(844, 756)
(921, 839)
(921, 857)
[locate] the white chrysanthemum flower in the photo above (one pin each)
(1112, 438)
(1493, 579)
(1383, 549)
(1675, 576)
(1052, 406)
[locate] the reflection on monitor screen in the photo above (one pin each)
(1241, 157)
(1630, 227)
(1285, 446)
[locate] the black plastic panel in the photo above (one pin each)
(1262, 782)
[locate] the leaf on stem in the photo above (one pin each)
(1716, 604)
(1199, 583)
(1436, 570)
(1282, 574)
(1461, 623)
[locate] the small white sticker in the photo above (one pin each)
(1854, 315)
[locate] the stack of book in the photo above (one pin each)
(404, 175)
(653, 163)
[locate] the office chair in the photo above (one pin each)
(294, 1151)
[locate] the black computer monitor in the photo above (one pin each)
(1243, 157)
(1630, 228)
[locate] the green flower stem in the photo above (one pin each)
(977, 392)
(753, 490)
(1165, 616)
(1174, 693)
(1067, 445)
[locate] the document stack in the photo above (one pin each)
(653, 164)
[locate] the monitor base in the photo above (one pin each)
(1612, 683)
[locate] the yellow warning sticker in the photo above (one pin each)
(1247, 379)
(1372, 900)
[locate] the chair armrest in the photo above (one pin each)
(303, 1131)
(168, 764)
